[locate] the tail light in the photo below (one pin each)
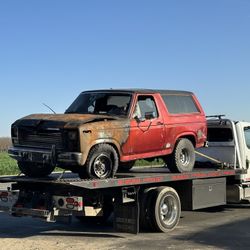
(71, 203)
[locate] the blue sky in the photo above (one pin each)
(51, 50)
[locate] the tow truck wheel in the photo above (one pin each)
(164, 209)
(102, 162)
(35, 169)
(183, 157)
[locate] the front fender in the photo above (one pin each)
(112, 142)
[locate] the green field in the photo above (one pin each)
(8, 166)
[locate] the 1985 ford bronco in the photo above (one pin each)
(106, 130)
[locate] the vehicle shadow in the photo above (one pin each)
(232, 235)
(224, 227)
(23, 227)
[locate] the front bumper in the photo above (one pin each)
(45, 156)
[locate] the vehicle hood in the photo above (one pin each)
(61, 120)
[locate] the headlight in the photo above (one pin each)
(73, 135)
(14, 131)
(72, 141)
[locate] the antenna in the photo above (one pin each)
(47, 106)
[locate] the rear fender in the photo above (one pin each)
(191, 136)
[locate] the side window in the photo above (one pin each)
(180, 104)
(247, 136)
(145, 108)
(219, 134)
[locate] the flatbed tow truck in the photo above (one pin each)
(150, 197)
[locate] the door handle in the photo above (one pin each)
(159, 123)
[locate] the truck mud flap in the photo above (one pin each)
(126, 211)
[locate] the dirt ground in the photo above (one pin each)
(220, 228)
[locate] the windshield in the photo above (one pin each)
(101, 103)
(247, 136)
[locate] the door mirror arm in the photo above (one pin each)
(138, 120)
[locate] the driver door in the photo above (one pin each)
(147, 127)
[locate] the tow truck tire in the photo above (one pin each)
(102, 162)
(35, 169)
(125, 166)
(183, 157)
(164, 209)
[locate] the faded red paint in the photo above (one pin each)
(150, 137)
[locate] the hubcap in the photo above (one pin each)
(168, 210)
(184, 157)
(102, 166)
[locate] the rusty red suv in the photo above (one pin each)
(106, 130)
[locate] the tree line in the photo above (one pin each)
(5, 143)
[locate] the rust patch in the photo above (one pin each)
(72, 118)
(93, 129)
(115, 132)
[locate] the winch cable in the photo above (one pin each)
(209, 157)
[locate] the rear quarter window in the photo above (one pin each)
(180, 104)
(219, 134)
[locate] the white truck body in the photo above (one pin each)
(229, 143)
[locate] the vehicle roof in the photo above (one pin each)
(142, 91)
(219, 122)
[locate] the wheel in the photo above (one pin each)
(108, 208)
(102, 162)
(125, 166)
(164, 209)
(183, 157)
(35, 169)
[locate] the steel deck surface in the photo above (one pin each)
(137, 176)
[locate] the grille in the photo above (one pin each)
(41, 139)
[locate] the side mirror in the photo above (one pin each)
(149, 115)
(138, 120)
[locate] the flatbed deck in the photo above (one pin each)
(132, 195)
(137, 176)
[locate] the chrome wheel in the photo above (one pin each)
(169, 210)
(163, 209)
(102, 166)
(184, 157)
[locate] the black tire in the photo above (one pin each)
(108, 209)
(82, 173)
(183, 157)
(102, 162)
(164, 209)
(125, 166)
(35, 169)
